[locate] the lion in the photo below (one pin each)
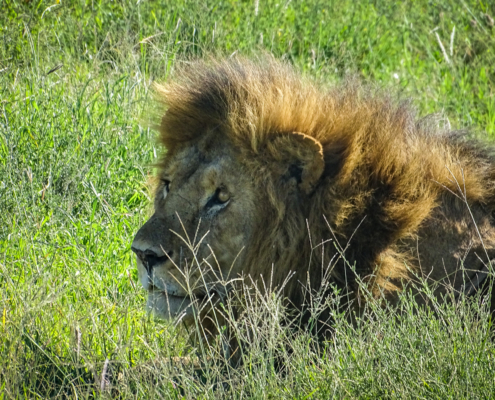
(281, 178)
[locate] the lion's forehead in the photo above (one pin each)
(182, 159)
(204, 164)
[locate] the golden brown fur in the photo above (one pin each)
(342, 180)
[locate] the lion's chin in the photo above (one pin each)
(166, 306)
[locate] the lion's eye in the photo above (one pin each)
(166, 187)
(220, 198)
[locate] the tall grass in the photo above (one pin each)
(75, 153)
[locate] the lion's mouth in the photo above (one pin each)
(156, 290)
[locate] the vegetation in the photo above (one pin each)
(75, 155)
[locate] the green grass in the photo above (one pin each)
(75, 154)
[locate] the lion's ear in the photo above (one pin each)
(301, 157)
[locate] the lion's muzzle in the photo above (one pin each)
(149, 258)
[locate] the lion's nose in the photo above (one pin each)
(149, 258)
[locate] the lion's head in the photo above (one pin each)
(231, 200)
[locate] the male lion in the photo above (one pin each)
(271, 176)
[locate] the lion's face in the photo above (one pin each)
(204, 213)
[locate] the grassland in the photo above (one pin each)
(75, 153)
